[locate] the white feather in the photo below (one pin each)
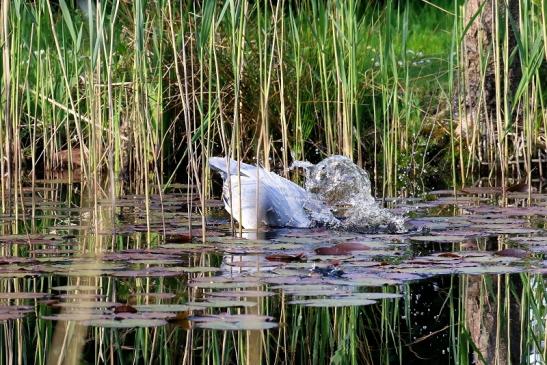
(258, 197)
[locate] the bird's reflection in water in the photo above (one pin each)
(237, 264)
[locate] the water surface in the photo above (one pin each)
(139, 282)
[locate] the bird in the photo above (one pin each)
(256, 197)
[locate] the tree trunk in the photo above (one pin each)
(493, 315)
(490, 76)
(495, 335)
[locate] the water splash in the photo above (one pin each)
(345, 188)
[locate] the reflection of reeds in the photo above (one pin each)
(69, 337)
(492, 320)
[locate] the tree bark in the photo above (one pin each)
(490, 76)
(497, 341)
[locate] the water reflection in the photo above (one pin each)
(81, 280)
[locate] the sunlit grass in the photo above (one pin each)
(148, 90)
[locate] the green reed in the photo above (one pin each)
(511, 139)
(147, 90)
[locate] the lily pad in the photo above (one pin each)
(168, 307)
(239, 322)
(22, 295)
(213, 303)
(334, 302)
(75, 288)
(124, 323)
(242, 294)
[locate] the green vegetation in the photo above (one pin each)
(146, 90)
(121, 102)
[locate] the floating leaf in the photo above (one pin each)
(514, 230)
(178, 238)
(11, 312)
(513, 252)
(213, 303)
(168, 307)
(376, 296)
(23, 295)
(286, 258)
(242, 325)
(224, 283)
(75, 316)
(242, 294)
(239, 322)
(75, 288)
(482, 190)
(342, 249)
(84, 304)
(449, 254)
(193, 269)
(363, 280)
(186, 247)
(125, 323)
(125, 308)
(333, 302)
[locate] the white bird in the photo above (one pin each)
(256, 197)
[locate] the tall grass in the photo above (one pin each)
(137, 87)
(148, 90)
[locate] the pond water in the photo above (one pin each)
(139, 281)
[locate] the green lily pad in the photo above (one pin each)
(222, 304)
(243, 325)
(75, 288)
(236, 322)
(125, 323)
(333, 302)
(168, 307)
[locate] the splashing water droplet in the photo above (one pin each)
(345, 188)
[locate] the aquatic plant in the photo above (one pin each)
(146, 91)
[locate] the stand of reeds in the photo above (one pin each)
(143, 92)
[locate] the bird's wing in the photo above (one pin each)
(287, 199)
(284, 199)
(220, 164)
